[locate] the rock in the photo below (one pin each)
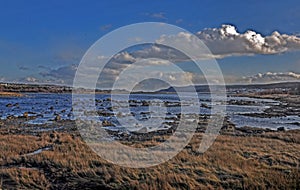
(280, 129)
(40, 115)
(57, 118)
(119, 114)
(106, 123)
(203, 105)
(52, 135)
(25, 115)
(228, 127)
(10, 117)
(145, 103)
(9, 105)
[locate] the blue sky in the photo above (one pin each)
(38, 38)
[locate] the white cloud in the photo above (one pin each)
(222, 42)
(124, 57)
(272, 77)
(31, 79)
(227, 41)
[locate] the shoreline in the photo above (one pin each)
(11, 94)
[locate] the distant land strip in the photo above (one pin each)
(17, 88)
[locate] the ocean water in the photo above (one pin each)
(47, 106)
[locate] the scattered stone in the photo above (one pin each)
(57, 118)
(203, 105)
(9, 105)
(25, 115)
(280, 129)
(10, 117)
(145, 103)
(228, 126)
(106, 123)
(52, 135)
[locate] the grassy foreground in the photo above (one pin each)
(264, 161)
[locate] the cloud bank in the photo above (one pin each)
(227, 41)
(272, 77)
(224, 42)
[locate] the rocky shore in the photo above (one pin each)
(289, 105)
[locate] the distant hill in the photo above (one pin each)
(45, 88)
(205, 88)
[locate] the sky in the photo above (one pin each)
(44, 41)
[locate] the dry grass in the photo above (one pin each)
(232, 162)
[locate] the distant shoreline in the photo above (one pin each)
(10, 94)
(49, 88)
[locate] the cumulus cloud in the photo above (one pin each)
(222, 42)
(272, 77)
(227, 41)
(123, 57)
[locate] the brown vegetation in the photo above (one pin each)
(257, 161)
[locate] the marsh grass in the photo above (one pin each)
(239, 162)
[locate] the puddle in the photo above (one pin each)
(38, 151)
